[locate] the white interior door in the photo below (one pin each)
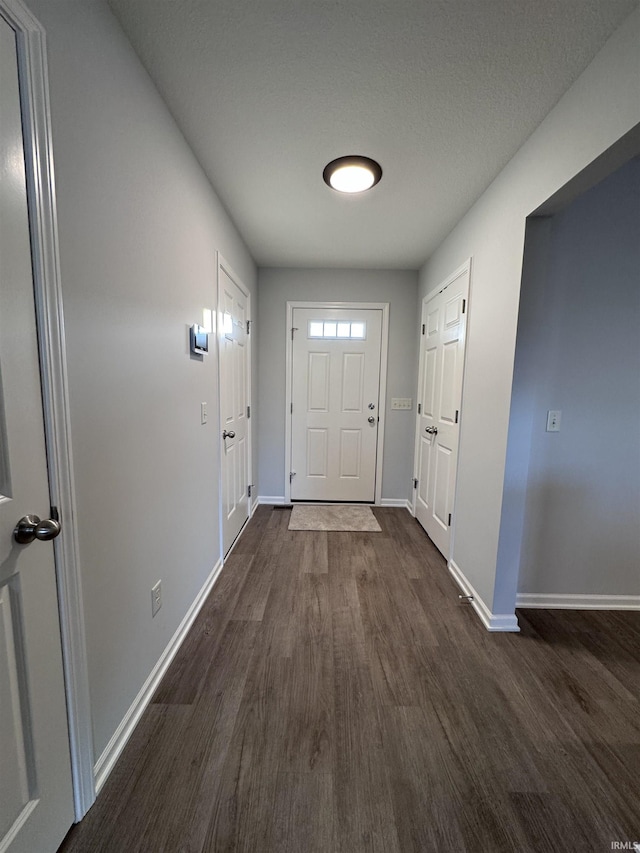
(442, 346)
(36, 802)
(335, 403)
(234, 403)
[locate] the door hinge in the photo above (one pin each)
(248, 327)
(249, 491)
(415, 482)
(423, 328)
(457, 413)
(54, 513)
(292, 408)
(464, 305)
(449, 522)
(293, 329)
(419, 408)
(248, 411)
(292, 474)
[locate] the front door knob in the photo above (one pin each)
(30, 527)
(229, 434)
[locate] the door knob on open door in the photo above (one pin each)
(229, 434)
(30, 527)
(431, 430)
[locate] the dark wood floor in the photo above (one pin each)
(334, 695)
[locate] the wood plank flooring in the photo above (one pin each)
(334, 696)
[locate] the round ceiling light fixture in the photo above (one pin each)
(353, 174)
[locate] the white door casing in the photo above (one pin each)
(235, 399)
(36, 792)
(335, 408)
(442, 349)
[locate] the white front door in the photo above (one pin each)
(335, 403)
(442, 345)
(36, 802)
(234, 403)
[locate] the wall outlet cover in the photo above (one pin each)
(553, 420)
(156, 598)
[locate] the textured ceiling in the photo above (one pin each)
(441, 92)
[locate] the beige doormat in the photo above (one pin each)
(334, 517)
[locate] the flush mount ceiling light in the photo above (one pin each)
(352, 174)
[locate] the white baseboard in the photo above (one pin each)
(105, 763)
(577, 601)
(491, 621)
(400, 502)
(279, 500)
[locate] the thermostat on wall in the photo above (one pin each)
(199, 339)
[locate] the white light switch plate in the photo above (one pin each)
(403, 403)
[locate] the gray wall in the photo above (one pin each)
(398, 288)
(579, 351)
(139, 227)
(597, 110)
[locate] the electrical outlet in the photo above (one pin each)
(156, 598)
(402, 403)
(553, 420)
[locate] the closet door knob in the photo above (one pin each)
(30, 527)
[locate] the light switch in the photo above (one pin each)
(553, 420)
(203, 413)
(401, 403)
